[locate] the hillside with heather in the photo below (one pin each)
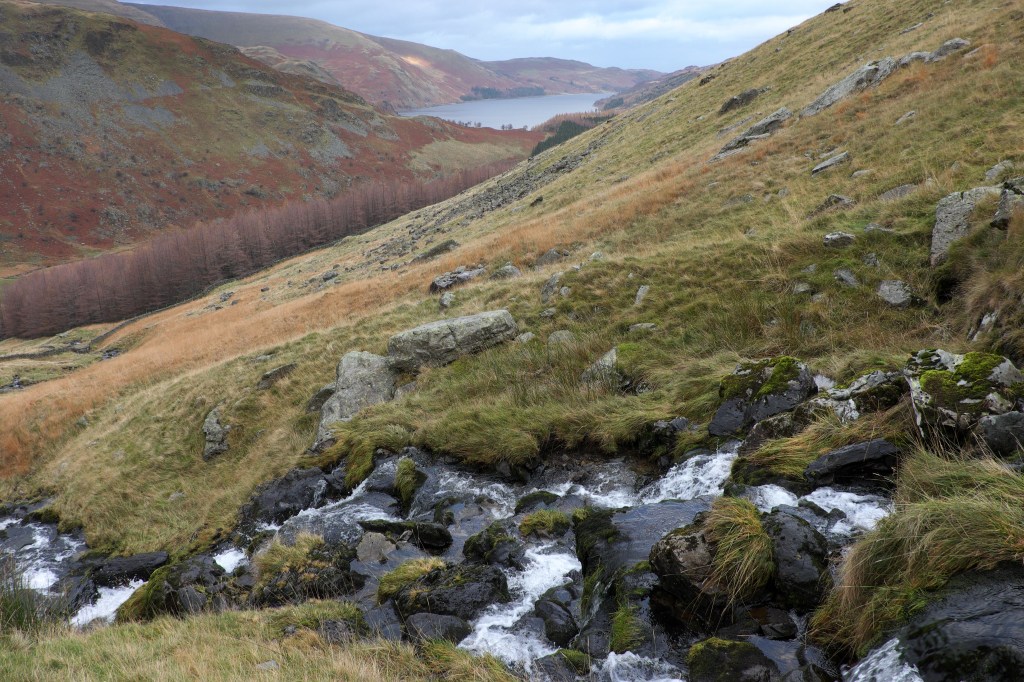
(112, 131)
(726, 387)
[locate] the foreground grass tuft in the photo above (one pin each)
(953, 514)
(743, 555)
(406, 574)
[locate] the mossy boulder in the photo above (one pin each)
(757, 390)
(323, 572)
(546, 523)
(433, 537)
(683, 560)
(497, 545)
(723, 660)
(194, 585)
(953, 393)
(463, 591)
(539, 499)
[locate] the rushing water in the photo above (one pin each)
(519, 112)
(884, 664)
(45, 555)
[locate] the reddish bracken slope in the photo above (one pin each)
(111, 130)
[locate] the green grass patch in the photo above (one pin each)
(627, 631)
(546, 523)
(406, 574)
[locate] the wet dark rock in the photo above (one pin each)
(192, 586)
(384, 622)
(541, 499)
(324, 573)
(721, 660)
(773, 623)
(567, 666)
(972, 630)
(497, 545)
(610, 540)
(559, 624)
(800, 555)
(872, 462)
(782, 425)
(595, 637)
(426, 627)
(463, 591)
(284, 497)
(429, 536)
(273, 376)
(682, 560)
(660, 437)
(757, 390)
(121, 570)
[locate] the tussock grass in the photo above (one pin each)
(406, 574)
(546, 523)
(743, 561)
(229, 646)
(279, 557)
(789, 457)
(954, 513)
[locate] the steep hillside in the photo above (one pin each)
(391, 72)
(652, 89)
(112, 130)
(753, 255)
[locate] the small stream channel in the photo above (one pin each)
(475, 501)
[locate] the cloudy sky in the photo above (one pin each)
(658, 34)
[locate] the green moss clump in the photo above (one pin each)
(535, 498)
(577, 660)
(705, 659)
(760, 379)
(406, 574)
(147, 601)
(627, 631)
(545, 523)
(408, 480)
(968, 383)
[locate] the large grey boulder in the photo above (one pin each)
(442, 342)
(868, 462)
(740, 100)
(831, 162)
(1003, 433)
(550, 287)
(953, 219)
(364, 379)
(864, 77)
(947, 48)
(216, 435)
(507, 271)
(799, 553)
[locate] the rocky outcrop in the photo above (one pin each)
(121, 570)
(833, 202)
(363, 379)
(830, 163)
(550, 287)
(739, 101)
(873, 392)
(507, 271)
(757, 390)
(442, 342)
(216, 435)
(759, 131)
(866, 76)
(270, 378)
(324, 573)
(953, 219)
(460, 275)
(195, 585)
(496, 545)
(953, 393)
(285, 497)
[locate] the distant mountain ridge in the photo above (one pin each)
(387, 72)
(111, 131)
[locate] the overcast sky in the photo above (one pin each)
(657, 34)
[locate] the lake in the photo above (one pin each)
(520, 111)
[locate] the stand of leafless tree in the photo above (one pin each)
(179, 265)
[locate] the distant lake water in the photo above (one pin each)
(520, 111)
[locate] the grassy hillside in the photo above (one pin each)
(721, 246)
(112, 130)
